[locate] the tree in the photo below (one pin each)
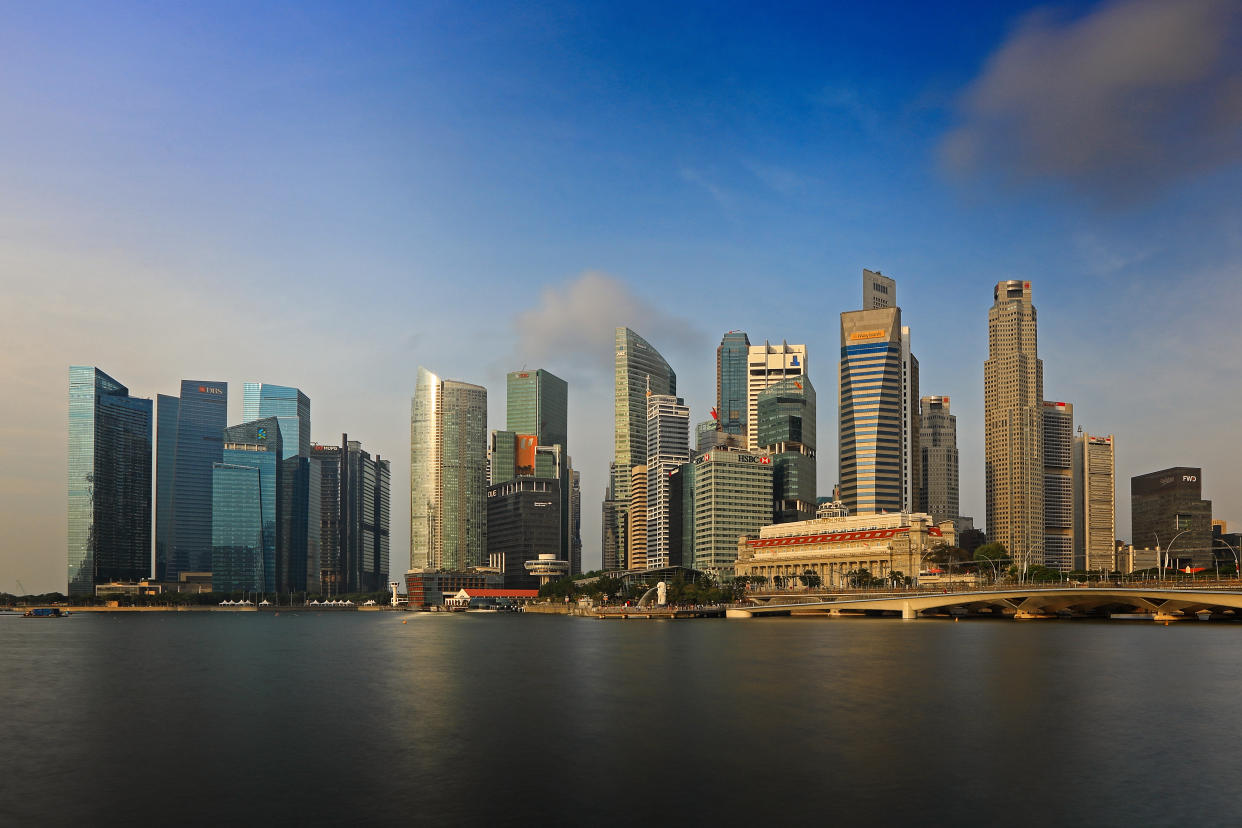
(811, 579)
(778, 581)
(898, 578)
(862, 578)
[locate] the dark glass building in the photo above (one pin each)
(299, 553)
(109, 482)
(681, 516)
(523, 521)
(354, 513)
(1167, 510)
(184, 476)
(786, 431)
(288, 405)
(238, 537)
(731, 379)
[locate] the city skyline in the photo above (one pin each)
(696, 209)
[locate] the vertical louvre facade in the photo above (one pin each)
(1095, 503)
(1013, 393)
(201, 413)
(1058, 437)
(109, 482)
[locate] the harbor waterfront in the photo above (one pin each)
(359, 718)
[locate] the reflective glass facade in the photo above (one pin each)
(201, 419)
(166, 409)
(537, 402)
(257, 444)
(523, 521)
(109, 482)
(300, 549)
(786, 431)
(288, 405)
(731, 358)
(238, 536)
(424, 469)
(638, 368)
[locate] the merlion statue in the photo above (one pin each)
(661, 594)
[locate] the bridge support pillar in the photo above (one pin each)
(908, 613)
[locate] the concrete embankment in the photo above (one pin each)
(557, 609)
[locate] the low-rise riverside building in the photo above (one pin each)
(832, 547)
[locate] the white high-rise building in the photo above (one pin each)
(767, 364)
(668, 446)
(448, 474)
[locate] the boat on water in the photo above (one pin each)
(46, 612)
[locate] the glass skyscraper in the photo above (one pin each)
(786, 431)
(255, 445)
(288, 405)
(237, 531)
(638, 368)
(184, 476)
(448, 474)
(537, 402)
(109, 482)
(731, 375)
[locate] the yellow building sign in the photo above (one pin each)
(857, 335)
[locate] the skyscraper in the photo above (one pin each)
(767, 364)
(879, 291)
(732, 497)
(523, 522)
(938, 446)
(638, 369)
(575, 523)
(668, 446)
(1013, 395)
(879, 391)
(109, 482)
(288, 405)
(785, 429)
(1095, 504)
(354, 512)
(448, 478)
(731, 384)
(255, 447)
(537, 402)
(185, 478)
(1058, 444)
(637, 521)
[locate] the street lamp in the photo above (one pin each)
(1237, 562)
(1159, 557)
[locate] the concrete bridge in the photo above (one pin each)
(1159, 602)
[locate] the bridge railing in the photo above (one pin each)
(1223, 584)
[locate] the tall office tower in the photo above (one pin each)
(681, 515)
(938, 449)
(448, 474)
(1013, 395)
(668, 446)
(639, 369)
(109, 482)
(575, 523)
(785, 426)
(731, 383)
(354, 511)
(288, 405)
(767, 364)
(183, 489)
(613, 530)
(636, 523)
(1058, 439)
(537, 402)
(299, 562)
(1095, 503)
(879, 424)
(1168, 512)
(257, 447)
(879, 291)
(523, 522)
(732, 497)
(705, 434)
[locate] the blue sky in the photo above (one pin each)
(328, 196)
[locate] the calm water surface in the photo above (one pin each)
(218, 718)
